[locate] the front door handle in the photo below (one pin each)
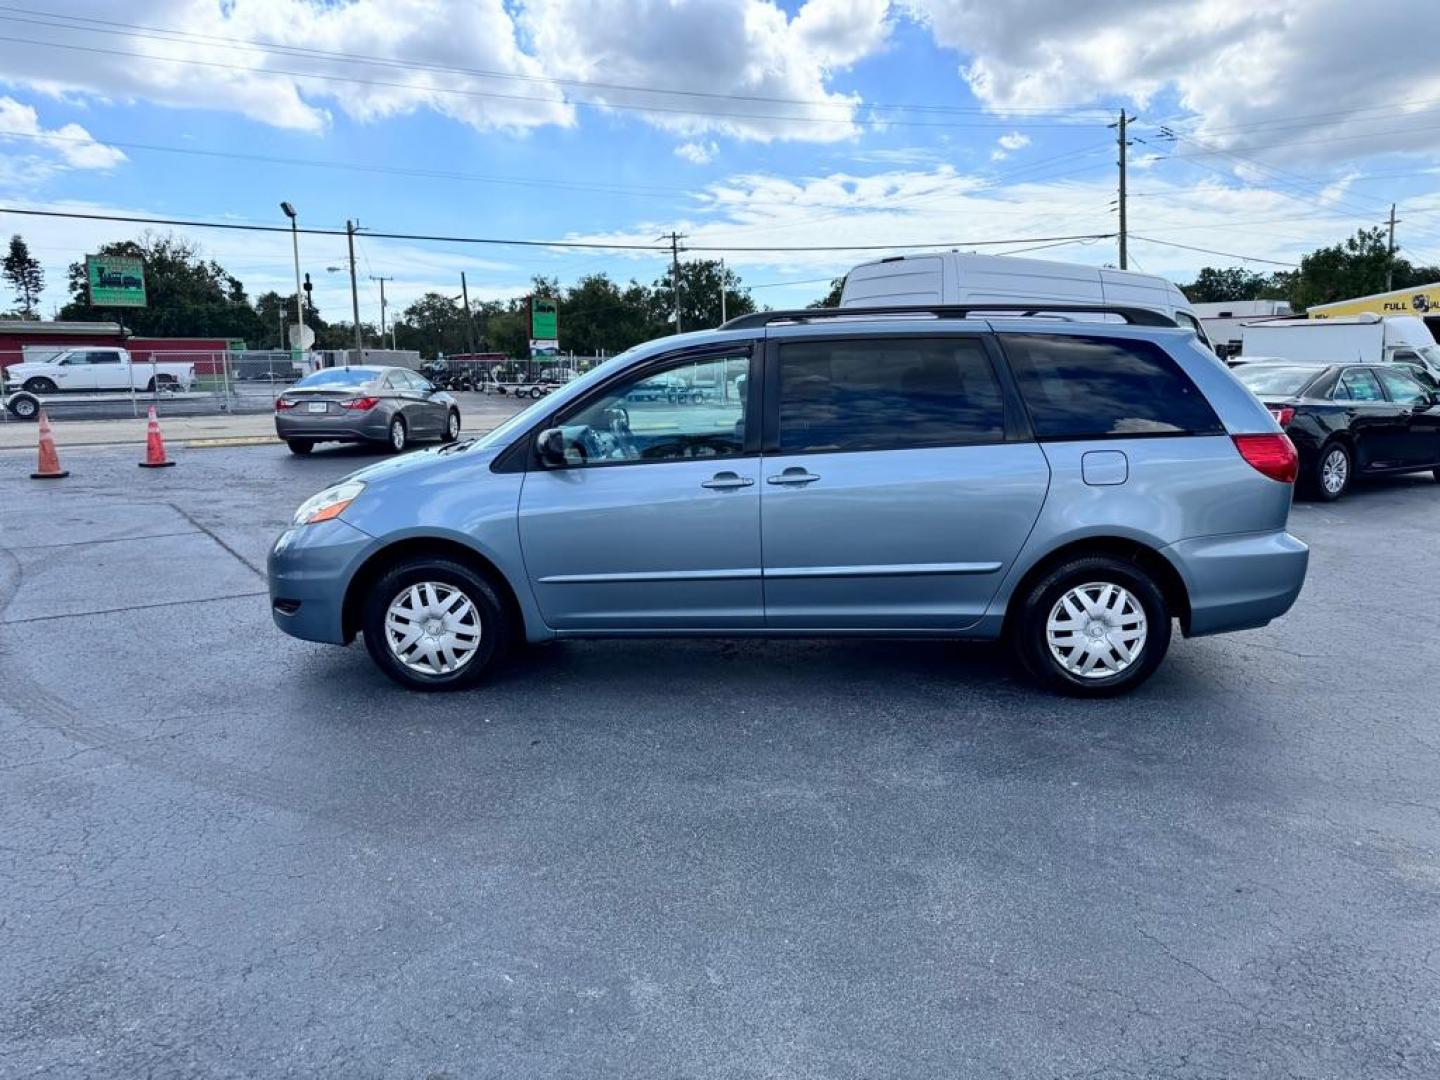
(796, 475)
(724, 480)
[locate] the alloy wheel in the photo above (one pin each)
(1335, 471)
(1096, 630)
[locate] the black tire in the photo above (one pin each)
(536, 393)
(300, 446)
(24, 407)
(1316, 483)
(40, 385)
(1031, 615)
(452, 427)
(494, 623)
(399, 436)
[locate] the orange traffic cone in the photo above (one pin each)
(154, 446)
(49, 466)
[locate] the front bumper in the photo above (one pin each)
(1238, 582)
(310, 568)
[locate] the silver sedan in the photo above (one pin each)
(389, 405)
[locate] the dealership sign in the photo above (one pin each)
(115, 281)
(1419, 300)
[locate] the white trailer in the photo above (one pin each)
(1371, 339)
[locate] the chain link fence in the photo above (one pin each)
(97, 383)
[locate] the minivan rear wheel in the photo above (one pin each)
(1094, 626)
(434, 624)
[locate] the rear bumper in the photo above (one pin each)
(310, 567)
(360, 427)
(1238, 582)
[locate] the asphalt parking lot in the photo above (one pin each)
(227, 853)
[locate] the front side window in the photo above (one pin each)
(1357, 384)
(1403, 390)
(887, 394)
(1079, 387)
(688, 409)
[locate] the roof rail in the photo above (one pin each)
(1136, 316)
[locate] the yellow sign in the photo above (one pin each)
(1420, 300)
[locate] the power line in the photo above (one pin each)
(563, 244)
(1212, 251)
(460, 91)
(164, 34)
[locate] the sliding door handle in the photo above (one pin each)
(724, 480)
(796, 476)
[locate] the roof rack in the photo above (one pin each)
(1136, 316)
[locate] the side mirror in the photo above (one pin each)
(557, 450)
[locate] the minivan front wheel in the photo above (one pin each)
(1093, 627)
(434, 624)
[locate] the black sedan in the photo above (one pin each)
(1349, 420)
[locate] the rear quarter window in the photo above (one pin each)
(1085, 387)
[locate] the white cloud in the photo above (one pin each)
(698, 153)
(372, 59)
(747, 51)
(1009, 144)
(1284, 79)
(72, 144)
(199, 61)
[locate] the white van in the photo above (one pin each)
(953, 277)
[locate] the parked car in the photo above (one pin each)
(1070, 487)
(98, 369)
(390, 405)
(1349, 420)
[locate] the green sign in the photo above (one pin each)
(544, 319)
(115, 281)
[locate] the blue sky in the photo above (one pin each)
(783, 134)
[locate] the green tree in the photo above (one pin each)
(431, 325)
(831, 298)
(188, 295)
(25, 275)
(701, 282)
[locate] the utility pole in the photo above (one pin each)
(469, 322)
(382, 281)
(674, 239)
(350, 227)
(1124, 237)
(1390, 262)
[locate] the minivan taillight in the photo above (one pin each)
(1272, 455)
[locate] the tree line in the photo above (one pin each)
(191, 296)
(1358, 266)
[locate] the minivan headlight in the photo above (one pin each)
(329, 503)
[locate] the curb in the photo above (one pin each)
(232, 440)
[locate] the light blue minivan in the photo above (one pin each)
(1072, 480)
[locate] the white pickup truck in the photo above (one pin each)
(97, 370)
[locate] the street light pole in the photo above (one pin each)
(382, 281)
(298, 344)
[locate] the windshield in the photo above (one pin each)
(1285, 381)
(526, 417)
(336, 377)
